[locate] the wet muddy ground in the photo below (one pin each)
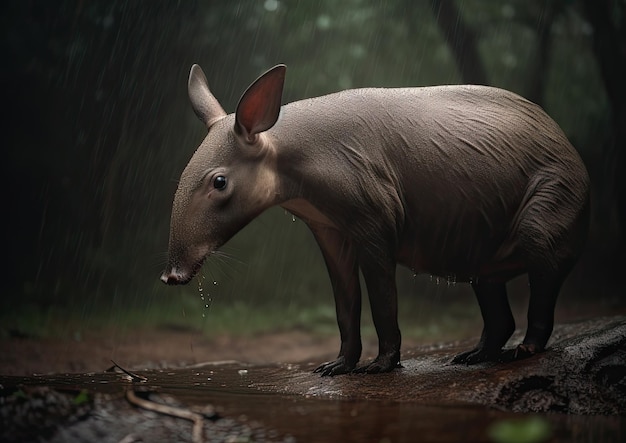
(577, 390)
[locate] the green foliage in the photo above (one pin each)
(81, 398)
(528, 430)
(20, 394)
(428, 311)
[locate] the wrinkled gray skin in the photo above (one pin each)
(471, 182)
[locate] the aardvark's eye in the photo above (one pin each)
(219, 182)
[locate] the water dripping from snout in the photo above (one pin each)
(200, 278)
(205, 296)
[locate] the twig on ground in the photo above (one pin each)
(198, 422)
(133, 377)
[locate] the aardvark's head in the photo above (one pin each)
(230, 179)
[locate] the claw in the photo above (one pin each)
(524, 351)
(336, 367)
(379, 366)
(481, 355)
(475, 356)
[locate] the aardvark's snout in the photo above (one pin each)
(173, 276)
(177, 273)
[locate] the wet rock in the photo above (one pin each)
(583, 372)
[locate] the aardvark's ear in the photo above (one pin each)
(204, 104)
(259, 106)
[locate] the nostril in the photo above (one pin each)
(174, 275)
(170, 278)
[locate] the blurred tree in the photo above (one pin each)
(608, 19)
(460, 20)
(541, 16)
(462, 41)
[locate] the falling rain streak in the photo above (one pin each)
(121, 129)
(104, 84)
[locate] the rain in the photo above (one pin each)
(99, 128)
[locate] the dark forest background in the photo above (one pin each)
(97, 127)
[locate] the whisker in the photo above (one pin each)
(228, 250)
(225, 257)
(158, 259)
(225, 264)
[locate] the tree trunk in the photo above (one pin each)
(462, 41)
(607, 17)
(540, 63)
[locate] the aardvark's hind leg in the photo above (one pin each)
(498, 323)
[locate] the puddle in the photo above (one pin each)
(296, 404)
